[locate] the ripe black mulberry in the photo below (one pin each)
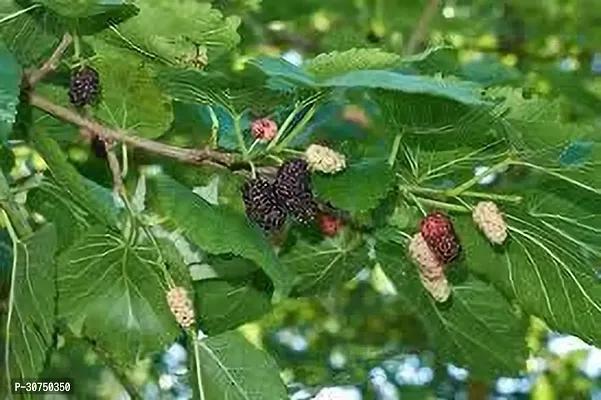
(84, 87)
(261, 205)
(293, 190)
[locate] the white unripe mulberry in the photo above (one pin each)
(431, 269)
(181, 306)
(490, 220)
(324, 159)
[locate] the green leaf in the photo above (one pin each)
(173, 32)
(31, 35)
(82, 8)
(31, 324)
(219, 230)
(223, 305)
(459, 91)
(227, 366)
(80, 189)
(56, 205)
(550, 262)
(130, 100)
(478, 330)
(359, 187)
(336, 63)
(116, 291)
(10, 83)
(323, 263)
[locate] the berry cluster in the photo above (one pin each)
(489, 219)
(431, 269)
(268, 204)
(261, 205)
(264, 129)
(84, 87)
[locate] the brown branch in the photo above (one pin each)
(52, 63)
(191, 156)
(422, 26)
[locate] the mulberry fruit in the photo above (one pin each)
(431, 269)
(261, 205)
(490, 220)
(329, 224)
(84, 87)
(324, 159)
(264, 129)
(98, 146)
(438, 232)
(293, 190)
(181, 306)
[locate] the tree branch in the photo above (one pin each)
(191, 156)
(52, 63)
(422, 26)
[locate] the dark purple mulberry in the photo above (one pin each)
(293, 190)
(98, 146)
(84, 87)
(261, 205)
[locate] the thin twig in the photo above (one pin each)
(191, 156)
(52, 63)
(115, 169)
(422, 26)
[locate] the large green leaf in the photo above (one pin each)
(85, 192)
(173, 30)
(479, 329)
(227, 366)
(130, 100)
(56, 205)
(10, 82)
(459, 91)
(115, 292)
(32, 311)
(324, 263)
(359, 187)
(83, 8)
(336, 63)
(550, 262)
(31, 35)
(222, 305)
(219, 230)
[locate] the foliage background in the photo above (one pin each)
(359, 333)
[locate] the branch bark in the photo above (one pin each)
(191, 156)
(52, 63)
(422, 26)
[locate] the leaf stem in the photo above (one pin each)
(298, 128)
(12, 209)
(463, 187)
(52, 63)
(478, 195)
(395, 149)
(11, 298)
(297, 109)
(20, 12)
(201, 392)
(443, 205)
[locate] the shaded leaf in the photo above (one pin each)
(10, 82)
(83, 8)
(478, 330)
(130, 100)
(227, 366)
(222, 305)
(116, 291)
(31, 323)
(359, 187)
(208, 226)
(324, 263)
